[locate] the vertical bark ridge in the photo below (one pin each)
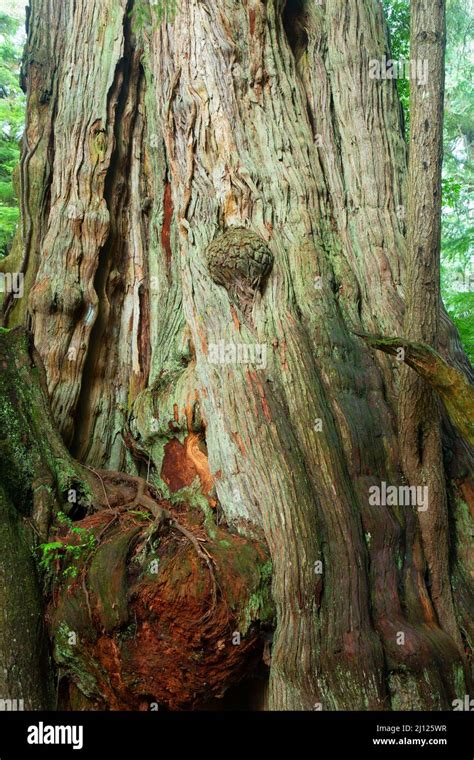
(259, 116)
(420, 419)
(41, 76)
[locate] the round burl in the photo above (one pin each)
(240, 261)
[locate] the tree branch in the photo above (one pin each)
(453, 387)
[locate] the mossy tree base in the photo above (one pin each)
(136, 615)
(25, 673)
(36, 474)
(147, 625)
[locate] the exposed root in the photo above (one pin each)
(163, 634)
(91, 469)
(160, 514)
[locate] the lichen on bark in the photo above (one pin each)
(253, 122)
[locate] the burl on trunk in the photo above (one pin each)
(211, 205)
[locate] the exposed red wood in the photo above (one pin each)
(252, 21)
(183, 462)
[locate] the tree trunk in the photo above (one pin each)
(108, 570)
(36, 476)
(222, 187)
(420, 418)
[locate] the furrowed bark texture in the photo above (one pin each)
(36, 473)
(420, 418)
(451, 385)
(25, 674)
(170, 635)
(232, 176)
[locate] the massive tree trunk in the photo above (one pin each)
(212, 203)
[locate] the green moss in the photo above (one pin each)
(81, 669)
(30, 447)
(193, 497)
(407, 693)
(463, 518)
(17, 467)
(107, 578)
(459, 680)
(253, 568)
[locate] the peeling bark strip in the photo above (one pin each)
(232, 176)
(88, 259)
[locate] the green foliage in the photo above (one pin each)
(67, 556)
(397, 13)
(50, 553)
(9, 216)
(461, 307)
(141, 515)
(147, 15)
(12, 116)
(457, 266)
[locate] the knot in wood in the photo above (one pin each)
(240, 261)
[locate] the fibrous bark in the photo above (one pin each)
(419, 413)
(184, 142)
(451, 385)
(36, 474)
(148, 602)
